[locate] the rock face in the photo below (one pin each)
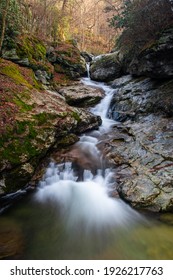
(31, 122)
(106, 67)
(80, 95)
(142, 146)
(142, 151)
(142, 96)
(155, 61)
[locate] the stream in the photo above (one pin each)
(74, 215)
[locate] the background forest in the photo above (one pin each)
(84, 21)
(93, 24)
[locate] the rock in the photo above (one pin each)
(140, 96)
(155, 61)
(80, 95)
(43, 77)
(32, 122)
(142, 153)
(106, 67)
(10, 55)
(87, 121)
(88, 57)
(67, 60)
(141, 147)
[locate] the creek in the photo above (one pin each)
(74, 215)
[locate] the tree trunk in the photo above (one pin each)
(4, 18)
(64, 4)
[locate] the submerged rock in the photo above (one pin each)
(11, 240)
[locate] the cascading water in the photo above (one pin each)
(85, 202)
(72, 214)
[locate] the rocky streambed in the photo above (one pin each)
(141, 145)
(77, 204)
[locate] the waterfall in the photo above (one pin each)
(88, 69)
(86, 202)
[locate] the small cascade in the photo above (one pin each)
(86, 203)
(88, 69)
(84, 200)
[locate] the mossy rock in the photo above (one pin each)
(32, 122)
(67, 60)
(29, 51)
(31, 47)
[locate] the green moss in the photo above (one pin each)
(37, 84)
(12, 72)
(17, 142)
(76, 116)
(22, 105)
(26, 126)
(32, 48)
(16, 148)
(44, 117)
(35, 50)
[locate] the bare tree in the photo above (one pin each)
(3, 24)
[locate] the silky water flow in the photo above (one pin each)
(73, 214)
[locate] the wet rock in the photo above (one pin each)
(143, 155)
(87, 121)
(80, 95)
(106, 67)
(141, 96)
(141, 146)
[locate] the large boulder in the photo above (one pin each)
(67, 59)
(80, 95)
(106, 67)
(32, 121)
(155, 60)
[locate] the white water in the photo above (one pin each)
(87, 203)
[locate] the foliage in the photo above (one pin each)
(13, 22)
(142, 22)
(122, 19)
